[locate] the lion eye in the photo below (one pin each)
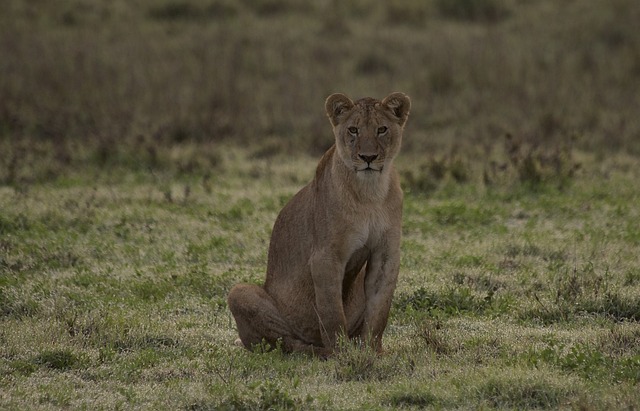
(353, 130)
(382, 130)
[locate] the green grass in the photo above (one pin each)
(113, 295)
(147, 147)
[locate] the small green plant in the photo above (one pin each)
(451, 301)
(61, 360)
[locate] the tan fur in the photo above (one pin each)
(334, 254)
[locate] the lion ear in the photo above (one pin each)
(399, 105)
(335, 106)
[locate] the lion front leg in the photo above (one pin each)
(329, 308)
(380, 284)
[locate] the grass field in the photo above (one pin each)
(147, 147)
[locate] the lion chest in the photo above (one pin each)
(364, 233)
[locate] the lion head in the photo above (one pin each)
(368, 132)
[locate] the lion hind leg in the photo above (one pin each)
(259, 321)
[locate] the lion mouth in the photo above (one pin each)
(368, 169)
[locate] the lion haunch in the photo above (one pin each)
(334, 254)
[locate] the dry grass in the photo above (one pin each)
(117, 82)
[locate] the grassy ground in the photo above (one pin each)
(113, 286)
(147, 147)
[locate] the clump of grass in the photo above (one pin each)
(268, 395)
(523, 392)
(411, 398)
(409, 12)
(622, 339)
(188, 11)
(17, 305)
(268, 8)
(355, 361)
(429, 332)
(581, 290)
(613, 305)
(529, 163)
(371, 64)
(586, 361)
(458, 214)
(63, 359)
(451, 301)
(535, 163)
(488, 11)
(23, 367)
(632, 277)
(435, 172)
(175, 10)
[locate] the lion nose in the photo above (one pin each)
(368, 158)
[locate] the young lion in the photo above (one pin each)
(334, 254)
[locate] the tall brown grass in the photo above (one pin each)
(98, 81)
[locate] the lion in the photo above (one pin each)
(334, 254)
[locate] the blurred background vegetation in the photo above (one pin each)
(167, 83)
